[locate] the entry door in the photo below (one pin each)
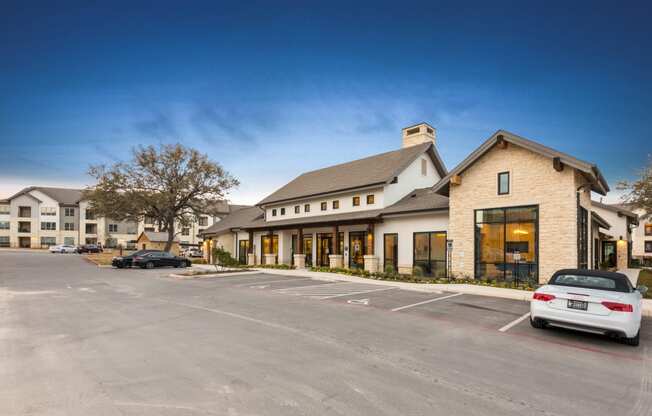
(390, 251)
(324, 249)
(243, 250)
(307, 249)
(609, 253)
(24, 242)
(356, 249)
(430, 253)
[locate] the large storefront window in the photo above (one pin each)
(269, 246)
(390, 252)
(357, 249)
(243, 250)
(506, 242)
(430, 253)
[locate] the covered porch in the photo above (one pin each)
(334, 241)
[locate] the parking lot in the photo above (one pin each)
(77, 339)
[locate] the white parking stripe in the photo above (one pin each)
(285, 289)
(264, 282)
(514, 322)
(400, 308)
(356, 293)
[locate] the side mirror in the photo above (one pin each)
(642, 289)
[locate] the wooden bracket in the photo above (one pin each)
(557, 164)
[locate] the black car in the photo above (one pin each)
(127, 261)
(89, 248)
(160, 259)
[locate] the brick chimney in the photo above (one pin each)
(417, 134)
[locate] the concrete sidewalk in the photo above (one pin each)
(496, 292)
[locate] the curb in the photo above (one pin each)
(199, 276)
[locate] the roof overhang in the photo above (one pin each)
(600, 221)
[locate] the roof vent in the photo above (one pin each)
(420, 133)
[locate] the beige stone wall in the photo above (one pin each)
(533, 181)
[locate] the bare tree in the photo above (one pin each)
(639, 192)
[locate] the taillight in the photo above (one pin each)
(543, 297)
(618, 307)
(138, 258)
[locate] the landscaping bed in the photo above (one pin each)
(645, 278)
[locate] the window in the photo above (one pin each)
(648, 229)
(4, 225)
(25, 212)
(274, 212)
(306, 208)
(390, 252)
(503, 183)
(48, 241)
(282, 211)
(48, 211)
(113, 228)
(356, 201)
(506, 242)
(49, 226)
(203, 221)
(4, 209)
(69, 226)
(90, 215)
(297, 209)
(149, 220)
(69, 212)
(149, 229)
(424, 167)
(370, 199)
(185, 231)
(69, 241)
(91, 228)
(648, 246)
(324, 206)
(4, 241)
(429, 253)
(336, 204)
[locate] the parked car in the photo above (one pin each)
(127, 261)
(89, 248)
(160, 259)
(63, 248)
(193, 252)
(591, 301)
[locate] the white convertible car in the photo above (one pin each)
(63, 248)
(591, 301)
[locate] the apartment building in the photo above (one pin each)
(513, 209)
(38, 217)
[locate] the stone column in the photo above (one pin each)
(270, 258)
(621, 255)
(370, 263)
(300, 261)
(335, 261)
(251, 259)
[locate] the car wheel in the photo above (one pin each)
(149, 265)
(537, 323)
(634, 340)
(119, 266)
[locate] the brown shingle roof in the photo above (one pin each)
(373, 170)
(424, 199)
(63, 196)
(238, 218)
(260, 223)
(590, 170)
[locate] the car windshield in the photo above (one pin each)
(614, 284)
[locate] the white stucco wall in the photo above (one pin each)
(411, 179)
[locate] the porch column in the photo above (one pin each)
(335, 260)
(251, 255)
(299, 256)
(370, 259)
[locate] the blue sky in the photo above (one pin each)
(274, 89)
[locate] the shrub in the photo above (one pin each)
(280, 266)
(417, 271)
(389, 269)
(224, 258)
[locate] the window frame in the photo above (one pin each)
(647, 246)
(273, 212)
(113, 228)
(306, 208)
(424, 167)
(283, 211)
(355, 201)
(297, 209)
(324, 206)
(336, 204)
(646, 227)
(372, 198)
(508, 182)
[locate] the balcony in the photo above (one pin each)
(24, 227)
(25, 212)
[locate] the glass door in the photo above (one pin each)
(356, 249)
(324, 249)
(243, 250)
(430, 253)
(609, 253)
(269, 246)
(307, 249)
(390, 252)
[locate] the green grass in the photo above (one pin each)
(645, 278)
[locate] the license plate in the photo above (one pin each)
(577, 304)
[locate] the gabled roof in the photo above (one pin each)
(589, 170)
(374, 170)
(618, 209)
(64, 196)
(599, 220)
(157, 237)
(238, 218)
(419, 200)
